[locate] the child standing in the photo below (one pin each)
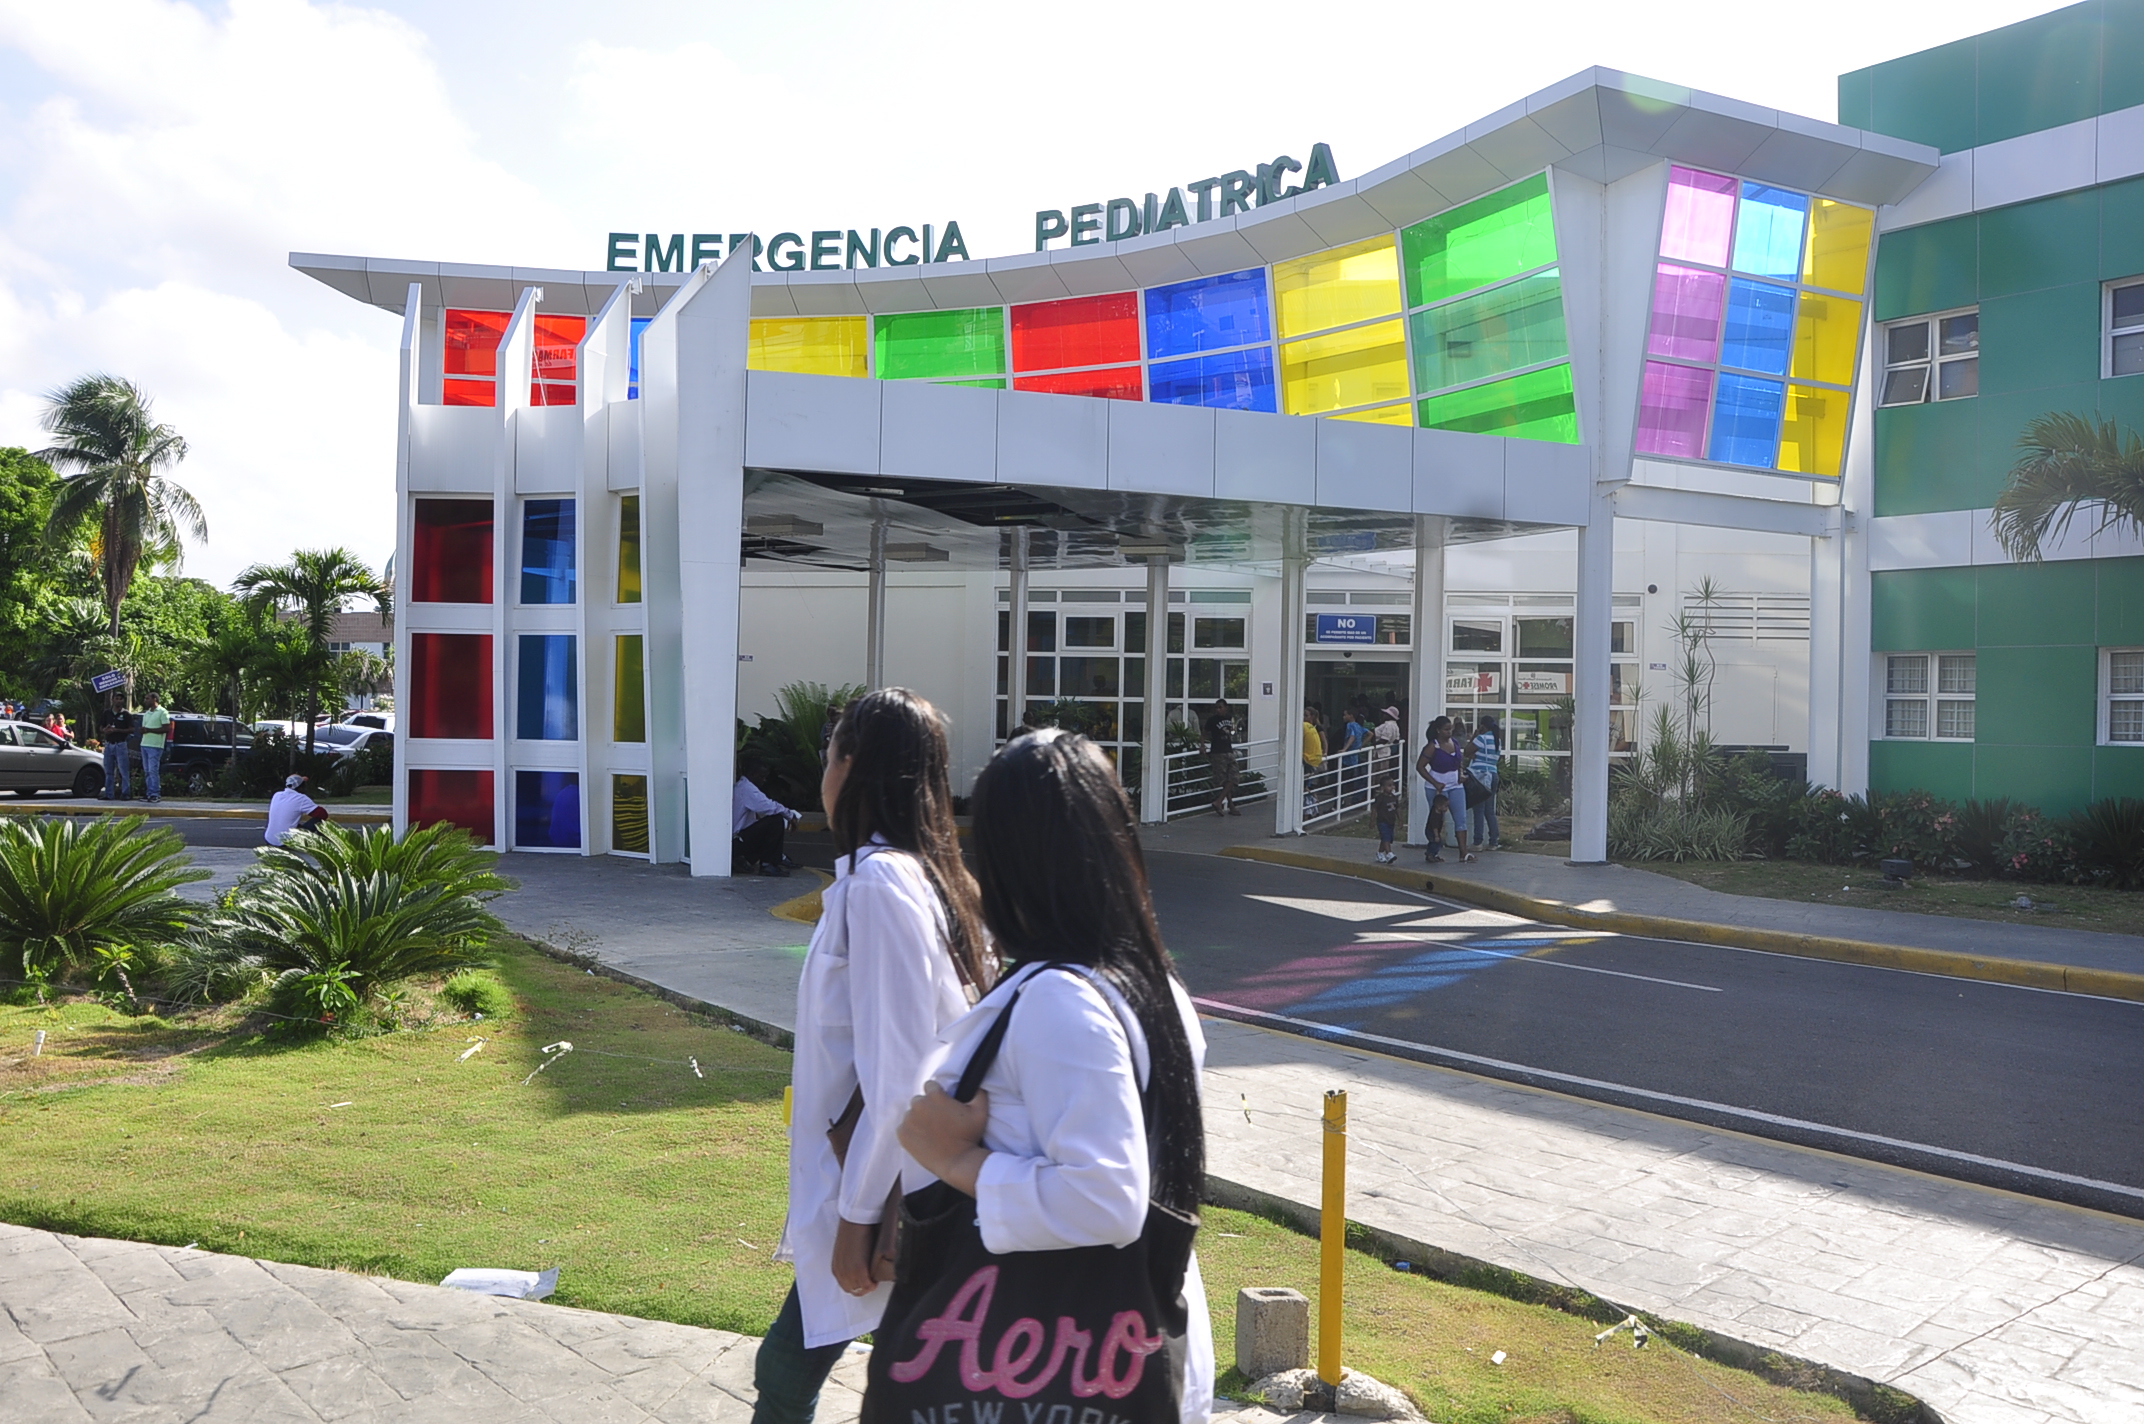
(1386, 805)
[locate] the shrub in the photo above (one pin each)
(2106, 843)
(1981, 828)
(475, 992)
(69, 888)
(1669, 832)
(331, 900)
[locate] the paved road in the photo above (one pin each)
(2011, 1087)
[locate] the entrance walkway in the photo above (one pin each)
(97, 1330)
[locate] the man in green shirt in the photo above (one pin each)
(154, 724)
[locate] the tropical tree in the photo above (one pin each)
(114, 462)
(218, 664)
(313, 587)
(2067, 463)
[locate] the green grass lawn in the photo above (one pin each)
(656, 1192)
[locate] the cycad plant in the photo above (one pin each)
(69, 889)
(334, 907)
(2069, 462)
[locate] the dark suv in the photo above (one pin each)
(196, 748)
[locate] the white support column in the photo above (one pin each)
(1016, 638)
(1425, 695)
(875, 608)
(1154, 739)
(1589, 722)
(411, 374)
(516, 361)
(1294, 565)
(1826, 636)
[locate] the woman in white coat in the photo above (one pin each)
(1054, 1149)
(899, 954)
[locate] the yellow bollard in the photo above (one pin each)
(789, 1102)
(1332, 1238)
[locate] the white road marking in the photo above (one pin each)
(1337, 909)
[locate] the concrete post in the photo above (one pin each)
(875, 609)
(1154, 743)
(1272, 1330)
(1589, 722)
(1294, 565)
(1425, 696)
(1016, 638)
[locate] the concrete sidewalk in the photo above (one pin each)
(178, 808)
(101, 1330)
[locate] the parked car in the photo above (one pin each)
(196, 748)
(381, 721)
(34, 760)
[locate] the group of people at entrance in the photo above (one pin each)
(1458, 766)
(118, 730)
(996, 1152)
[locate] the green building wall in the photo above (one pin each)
(2037, 630)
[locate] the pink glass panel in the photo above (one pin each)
(1700, 217)
(1686, 314)
(1671, 417)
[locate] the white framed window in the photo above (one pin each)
(1929, 696)
(2121, 699)
(1932, 358)
(2123, 309)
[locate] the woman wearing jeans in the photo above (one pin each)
(899, 954)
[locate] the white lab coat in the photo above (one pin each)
(1067, 1137)
(877, 990)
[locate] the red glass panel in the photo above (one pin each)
(1119, 383)
(1080, 331)
(553, 393)
(450, 685)
(556, 340)
(471, 392)
(472, 342)
(460, 798)
(452, 557)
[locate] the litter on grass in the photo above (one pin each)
(1497, 1358)
(520, 1285)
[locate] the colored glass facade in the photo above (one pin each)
(1756, 325)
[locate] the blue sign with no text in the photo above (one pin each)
(1347, 627)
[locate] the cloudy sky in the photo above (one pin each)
(160, 160)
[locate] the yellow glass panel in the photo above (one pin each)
(629, 813)
(1826, 338)
(1344, 368)
(812, 345)
(1401, 414)
(1328, 289)
(629, 548)
(1837, 253)
(629, 700)
(1814, 436)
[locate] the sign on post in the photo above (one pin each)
(106, 681)
(1347, 627)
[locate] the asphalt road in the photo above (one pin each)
(2032, 1091)
(2019, 1088)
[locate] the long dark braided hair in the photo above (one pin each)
(1063, 880)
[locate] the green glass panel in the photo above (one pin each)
(1503, 329)
(1535, 406)
(1494, 237)
(629, 549)
(629, 701)
(969, 342)
(996, 385)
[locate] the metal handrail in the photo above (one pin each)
(1345, 786)
(1191, 777)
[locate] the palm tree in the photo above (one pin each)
(2069, 462)
(314, 586)
(218, 664)
(113, 458)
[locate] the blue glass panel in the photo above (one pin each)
(547, 809)
(547, 550)
(1768, 235)
(1745, 421)
(1208, 315)
(1760, 327)
(1235, 380)
(548, 709)
(632, 387)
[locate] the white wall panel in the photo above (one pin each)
(1459, 473)
(1264, 457)
(453, 448)
(938, 432)
(1365, 466)
(1160, 449)
(1053, 440)
(548, 442)
(812, 422)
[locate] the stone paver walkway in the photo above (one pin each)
(112, 1330)
(1993, 1308)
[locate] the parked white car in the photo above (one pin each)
(34, 760)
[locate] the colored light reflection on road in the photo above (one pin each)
(1350, 984)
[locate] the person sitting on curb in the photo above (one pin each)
(291, 809)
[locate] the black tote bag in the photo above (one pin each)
(1083, 1335)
